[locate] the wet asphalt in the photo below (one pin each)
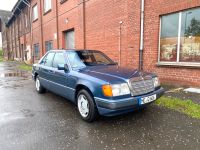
(29, 121)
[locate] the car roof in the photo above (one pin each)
(70, 50)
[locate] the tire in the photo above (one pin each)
(86, 106)
(39, 88)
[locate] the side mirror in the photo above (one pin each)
(66, 68)
(115, 63)
(63, 67)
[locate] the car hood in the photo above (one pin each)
(113, 73)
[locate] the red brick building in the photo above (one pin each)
(171, 33)
(4, 17)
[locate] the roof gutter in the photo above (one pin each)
(27, 3)
(16, 8)
(141, 36)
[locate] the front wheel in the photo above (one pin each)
(86, 106)
(39, 88)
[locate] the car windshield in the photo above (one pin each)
(80, 59)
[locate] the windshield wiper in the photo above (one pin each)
(112, 64)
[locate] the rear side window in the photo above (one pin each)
(58, 59)
(49, 59)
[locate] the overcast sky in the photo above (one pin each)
(7, 4)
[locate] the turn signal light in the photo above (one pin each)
(107, 90)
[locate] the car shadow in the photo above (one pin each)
(137, 114)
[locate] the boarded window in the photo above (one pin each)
(36, 51)
(48, 45)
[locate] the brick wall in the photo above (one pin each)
(102, 31)
(180, 75)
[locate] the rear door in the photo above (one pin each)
(47, 71)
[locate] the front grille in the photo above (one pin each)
(140, 86)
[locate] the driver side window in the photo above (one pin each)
(58, 59)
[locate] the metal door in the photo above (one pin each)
(69, 40)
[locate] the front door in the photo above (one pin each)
(60, 78)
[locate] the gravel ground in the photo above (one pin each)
(178, 92)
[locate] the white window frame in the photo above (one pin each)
(35, 12)
(47, 5)
(177, 63)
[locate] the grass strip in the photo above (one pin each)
(1, 55)
(184, 106)
(25, 67)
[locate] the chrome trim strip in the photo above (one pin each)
(115, 101)
(57, 84)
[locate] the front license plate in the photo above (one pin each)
(148, 99)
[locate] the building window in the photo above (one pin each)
(62, 1)
(48, 45)
(47, 5)
(36, 51)
(26, 21)
(180, 37)
(35, 12)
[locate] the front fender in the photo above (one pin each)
(93, 84)
(94, 87)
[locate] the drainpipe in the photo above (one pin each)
(120, 41)
(141, 36)
(41, 28)
(84, 26)
(31, 34)
(57, 25)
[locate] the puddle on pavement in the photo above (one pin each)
(8, 117)
(14, 74)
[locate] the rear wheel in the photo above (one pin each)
(38, 86)
(86, 106)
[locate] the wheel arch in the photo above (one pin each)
(35, 75)
(82, 87)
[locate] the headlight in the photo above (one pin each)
(156, 82)
(116, 89)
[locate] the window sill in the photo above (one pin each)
(47, 12)
(62, 1)
(35, 20)
(178, 64)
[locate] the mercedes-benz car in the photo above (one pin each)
(95, 83)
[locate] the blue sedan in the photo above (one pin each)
(95, 83)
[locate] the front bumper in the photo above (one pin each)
(108, 107)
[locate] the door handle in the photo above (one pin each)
(51, 71)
